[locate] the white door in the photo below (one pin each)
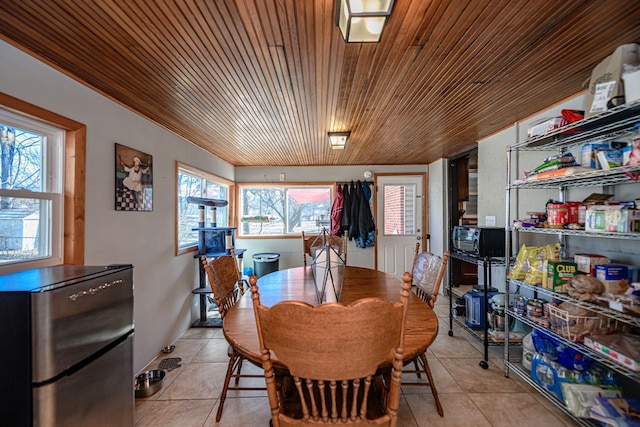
(400, 205)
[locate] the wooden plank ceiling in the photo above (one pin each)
(261, 82)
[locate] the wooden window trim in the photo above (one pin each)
(74, 177)
(211, 177)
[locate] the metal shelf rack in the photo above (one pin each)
(481, 335)
(608, 126)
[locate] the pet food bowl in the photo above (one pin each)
(169, 349)
(149, 382)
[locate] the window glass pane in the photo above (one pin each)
(192, 185)
(262, 210)
(216, 191)
(25, 227)
(399, 209)
(31, 163)
(21, 165)
(309, 209)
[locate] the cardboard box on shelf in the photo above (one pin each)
(610, 158)
(557, 274)
(611, 275)
(586, 263)
(623, 348)
(614, 218)
(605, 84)
(591, 200)
(589, 154)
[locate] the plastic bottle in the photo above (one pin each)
(528, 351)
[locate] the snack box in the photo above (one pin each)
(587, 262)
(611, 345)
(557, 274)
(615, 218)
(611, 275)
(609, 158)
(612, 272)
(589, 159)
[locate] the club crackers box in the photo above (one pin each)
(557, 274)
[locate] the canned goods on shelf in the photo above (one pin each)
(535, 308)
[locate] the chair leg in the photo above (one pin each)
(239, 370)
(423, 357)
(415, 363)
(227, 378)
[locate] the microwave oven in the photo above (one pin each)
(480, 241)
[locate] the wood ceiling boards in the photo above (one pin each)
(261, 82)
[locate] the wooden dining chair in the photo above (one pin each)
(228, 287)
(332, 353)
(428, 271)
(308, 241)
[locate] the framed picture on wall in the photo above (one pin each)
(134, 180)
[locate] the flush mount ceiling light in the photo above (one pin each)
(362, 21)
(338, 139)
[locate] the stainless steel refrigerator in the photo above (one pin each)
(66, 347)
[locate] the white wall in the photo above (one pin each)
(492, 168)
(438, 207)
(164, 304)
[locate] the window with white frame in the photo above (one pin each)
(268, 210)
(192, 182)
(31, 186)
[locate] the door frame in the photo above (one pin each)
(423, 205)
(452, 218)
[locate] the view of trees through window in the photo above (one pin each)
(21, 168)
(192, 183)
(282, 210)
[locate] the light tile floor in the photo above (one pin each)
(470, 395)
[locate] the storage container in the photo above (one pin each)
(475, 308)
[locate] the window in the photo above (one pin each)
(284, 210)
(31, 203)
(399, 209)
(192, 182)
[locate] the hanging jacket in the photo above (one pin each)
(336, 212)
(356, 196)
(366, 226)
(346, 209)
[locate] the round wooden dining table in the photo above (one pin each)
(297, 284)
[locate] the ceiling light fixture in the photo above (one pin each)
(338, 139)
(362, 21)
